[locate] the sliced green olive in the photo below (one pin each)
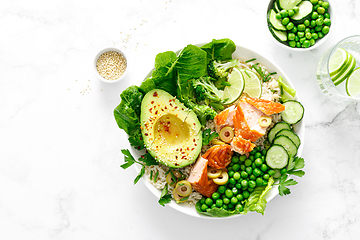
(264, 121)
(226, 134)
(213, 172)
(222, 179)
(170, 178)
(183, 188)
(178, 198)
(217, 142)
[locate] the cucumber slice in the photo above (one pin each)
(274, 22)
(277, 128)
(287, 4)
(305, 10)
(293, 137)
(277, 157)
(281, 36)
(293, 112)
(276, 7)
(289, 145)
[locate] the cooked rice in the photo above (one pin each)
(270, 91)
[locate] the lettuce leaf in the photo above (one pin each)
(219, 49)
(127, 115)
(256, 201)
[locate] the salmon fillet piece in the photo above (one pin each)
(246, 122)
(224, 118)
(199, 180)
(242, 146)
(219, 156)
(265, 106)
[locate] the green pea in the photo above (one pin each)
(312, 30)
(258, 161)
(251, 157)
(252, 177)
(318, 28)
(242, 158)
(236, 167)
(225, 207)
(321, 16)
(313, 23)
(232, 181)
(278, 16)
(239, 197)
(316, 7)
(249, 170)
(291, 12)
(312, 42)
(301, 27)
(257, 155)
(215, 195)
(228, 193)
(257, 148)
(246, 194)
(259, 181)
(221, 189)
(234, 200)
(320, 10)
(325, 5)
(271, 172)
(300, 34)
(226, 200)
(320, 2)
(321, 35)
(298, 44)
(319, 21)
(244, 183)
(308, 35)
(314, 15)
(325, 30)
(213, 206)
(264, 167)
(266, 176)
(242, 167)
(306, 44)
(293, 31)
(283, 171)
(235, 190)
(314, 1)
(326, 15)
(314, 36)
(238, 185)
(235, 159)
(307, 30)
(306, 23)
(264, 151)
(231, 164)
(204, 207)
(292, 43)
(265, 182)
(202, 201)
(296, 38)
(244, 174)
(296, 9)
(219, 203)
(256, 172)
(291, 36)
(239, 207)
(236, 176)
(231, 173)
(209, 201)
(248, 162)
(253, 165)
(327, 21)
(252, 184)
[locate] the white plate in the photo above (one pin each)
(245, 54)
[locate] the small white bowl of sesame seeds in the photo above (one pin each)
(110, 65)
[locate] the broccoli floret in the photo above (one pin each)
(220, 69)
(205, 89)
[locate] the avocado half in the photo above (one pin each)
(171, 131)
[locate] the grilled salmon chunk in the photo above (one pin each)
(219, 156)
(224, 118)
(265, 106)
(242, 146)
(199, 180)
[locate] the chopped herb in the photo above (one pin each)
(247, 73)
(151, 174)
(283, 183)
(164, 197)
(173, 176)
(250, 60)
(208, 136)
(156, 176)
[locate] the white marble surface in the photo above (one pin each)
(60, 146)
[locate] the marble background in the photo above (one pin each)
(60, 146)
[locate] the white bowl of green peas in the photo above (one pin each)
(299, 24)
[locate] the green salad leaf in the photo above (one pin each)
(219, 49)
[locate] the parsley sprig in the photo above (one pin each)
(208, 136)
(164, 197)
(144, 160)
(293, 168)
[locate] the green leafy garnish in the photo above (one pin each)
(208, 136)
(164, 197)
(145, 160)
(294, 165)
(284, 182)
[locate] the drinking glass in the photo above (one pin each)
(337, 93)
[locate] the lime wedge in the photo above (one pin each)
(253, 86)
(343, 74)
(353, 83)
(233, 92)
(338, 60)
